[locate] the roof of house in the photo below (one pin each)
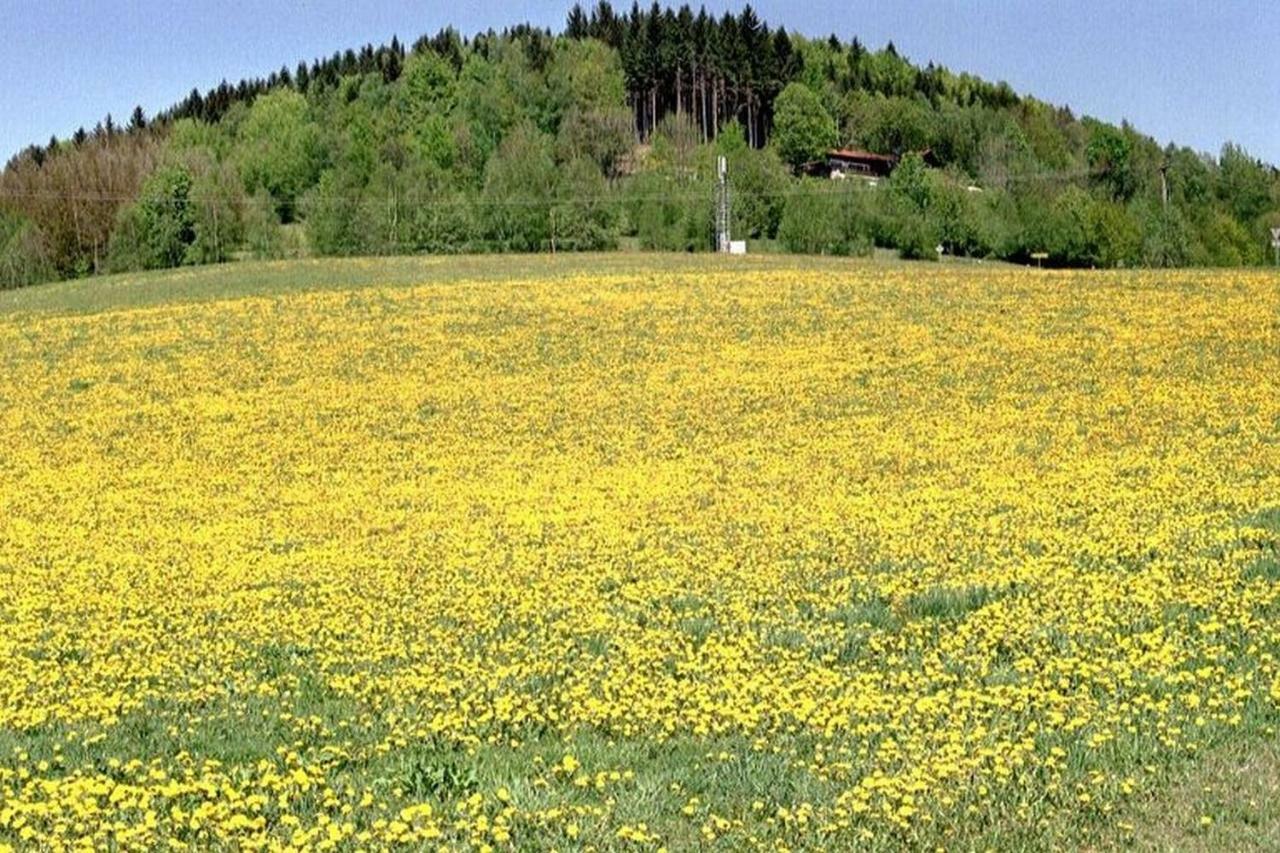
(857, 154)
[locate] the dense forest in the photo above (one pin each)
(526, 140)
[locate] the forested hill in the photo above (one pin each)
(526, 140)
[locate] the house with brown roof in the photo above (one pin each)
(853, 162)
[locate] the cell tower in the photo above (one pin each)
(722, 206)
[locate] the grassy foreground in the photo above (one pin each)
(629, 552)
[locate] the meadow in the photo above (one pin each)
(630, 552)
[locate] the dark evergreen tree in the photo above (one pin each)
(448, 44)
(682, 57)
(855, 74)
(699, 36)
(606, 26)
(577, 26)
(652, 65)
(750, 71)
(392, 66)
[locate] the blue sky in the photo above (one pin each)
(1198, 73)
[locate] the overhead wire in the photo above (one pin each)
(816, 188)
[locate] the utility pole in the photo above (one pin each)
(1164, 185)
(722, 205)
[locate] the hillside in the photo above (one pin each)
(525, 140)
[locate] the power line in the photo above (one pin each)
(816, 188)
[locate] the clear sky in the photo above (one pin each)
(1197, 72)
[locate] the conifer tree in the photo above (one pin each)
(577, 26)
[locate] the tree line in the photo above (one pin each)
(608, 132)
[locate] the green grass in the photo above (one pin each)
(1266, 565)
(949, 602)
(638, 780)
(1229, 801)
(270, 278)
(235, 280)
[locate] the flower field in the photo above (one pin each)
(830, 557)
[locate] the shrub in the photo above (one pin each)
(261, 228)
(331, 211)
(156, 231)
(826, 219)
(23, 257)
(916, 238)
(583, 218)
(518, 185)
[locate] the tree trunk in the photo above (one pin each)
(727, 107)
(715, 109)
(705, 105)
(395, 220)
(75, 218)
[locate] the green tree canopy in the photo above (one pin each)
(279, 149)
(803, 129)
(1245, 184)
(519, 183)
(1110, 157)
(159, 228)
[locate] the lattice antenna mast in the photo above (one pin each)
(722, 205)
